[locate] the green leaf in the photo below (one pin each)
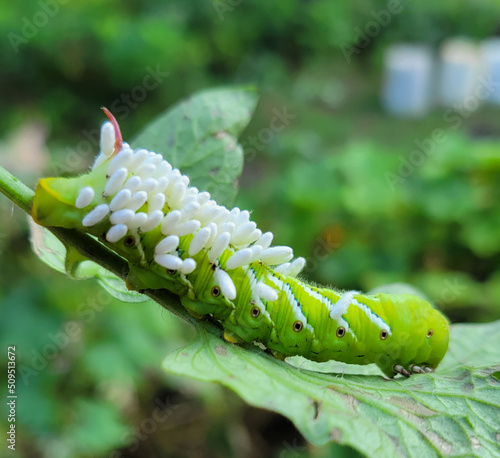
(199, 137)
(453, 412)
(53, 253)
(116, 286)
(473, 344)
(47, 246)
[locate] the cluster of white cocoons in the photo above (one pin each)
(141, 177)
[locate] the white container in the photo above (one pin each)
(408, 77)
(460, 70)
(490, 54)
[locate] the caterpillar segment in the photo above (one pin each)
(220, 264)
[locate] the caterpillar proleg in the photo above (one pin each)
(220, 264)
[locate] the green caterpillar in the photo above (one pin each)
(221, 264)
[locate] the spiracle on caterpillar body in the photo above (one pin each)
(220, 264)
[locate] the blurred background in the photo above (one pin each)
(374, 152)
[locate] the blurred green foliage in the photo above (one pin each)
(319, 182)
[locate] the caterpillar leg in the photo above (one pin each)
(417, 370)
(230, 337)
(401, 370)
(413, 370)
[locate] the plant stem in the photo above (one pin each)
(86, 245)
(16, 190)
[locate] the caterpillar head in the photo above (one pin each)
(417, 347)
(436, 340)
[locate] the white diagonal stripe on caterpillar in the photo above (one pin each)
(255, 296)
(294, 303)
(330, 307)
(375, 319)
(319, 297)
